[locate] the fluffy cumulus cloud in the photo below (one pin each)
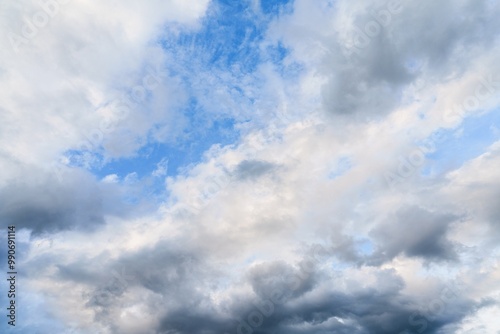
(176, 167)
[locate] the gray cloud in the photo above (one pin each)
(252, 169)
(380, 308)
(46, 202)
(179, 277)
(429, 40)
(42, 203)
(414, 232)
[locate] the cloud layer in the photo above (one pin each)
(261, 167)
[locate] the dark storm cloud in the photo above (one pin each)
(419, 36)
(414, 232)
(183, 279)
(164, 268)
(377, 309)
(252, 169)
(266, 279)
(369, 311)
(411, 232)
(269, 277)
(186, 320)
(179, 276)
(47, 203)
(44, 204)
(285, 298)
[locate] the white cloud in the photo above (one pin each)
(63, 84)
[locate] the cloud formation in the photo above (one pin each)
(256, 167)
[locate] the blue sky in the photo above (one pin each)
(229, 36)
(247, 186)
(462, 144)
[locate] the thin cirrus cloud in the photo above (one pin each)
(252, 167)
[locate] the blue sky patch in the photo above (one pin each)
(457, 146)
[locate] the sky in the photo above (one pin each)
(253, 166)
